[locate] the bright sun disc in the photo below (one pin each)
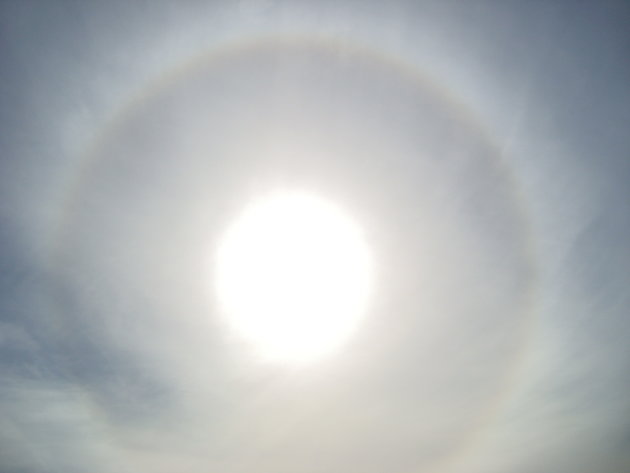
(293, 276)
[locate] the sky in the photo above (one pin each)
(482, 148)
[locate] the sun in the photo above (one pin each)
(293, 276)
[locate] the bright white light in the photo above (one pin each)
(293, 276)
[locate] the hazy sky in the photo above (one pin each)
(482, 146)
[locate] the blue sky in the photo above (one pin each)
(483, 148)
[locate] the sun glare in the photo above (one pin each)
(293, 276)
